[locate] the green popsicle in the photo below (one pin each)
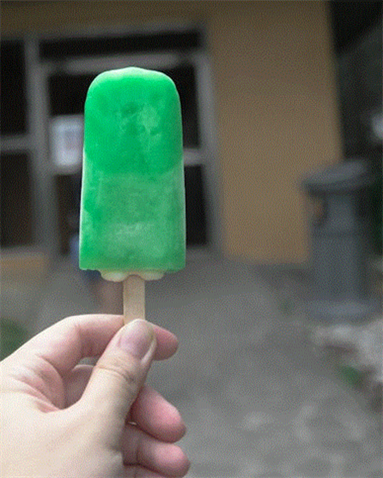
(132, 219)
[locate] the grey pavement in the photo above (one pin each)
(258, 399)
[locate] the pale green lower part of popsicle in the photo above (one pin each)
(127, 239)
(117, 276)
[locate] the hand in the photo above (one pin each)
(62, 419)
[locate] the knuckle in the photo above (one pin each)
(122, 370)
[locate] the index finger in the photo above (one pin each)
(64, 344)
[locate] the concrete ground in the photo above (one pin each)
(258, 398)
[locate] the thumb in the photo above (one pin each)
(121, 371)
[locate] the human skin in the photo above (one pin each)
(65, 419)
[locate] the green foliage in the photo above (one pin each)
(12, 336)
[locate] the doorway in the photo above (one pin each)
(66, 84)
(67, 93)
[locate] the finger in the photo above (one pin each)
(156, 416)
(139, 472)
(167, 343)
(64, 344)
(120, 373)
(138, 448)
(151, 411)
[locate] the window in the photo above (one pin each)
(13, 103)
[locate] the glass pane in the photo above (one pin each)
(13, 103)
(109, 45)
(67, 93)
(196, 229)
(16, 200)
(184, 78)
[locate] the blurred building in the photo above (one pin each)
(258, 87)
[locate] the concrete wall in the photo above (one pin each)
(275, 95)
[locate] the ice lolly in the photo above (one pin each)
(132, 218)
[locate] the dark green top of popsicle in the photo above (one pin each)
(132, 205)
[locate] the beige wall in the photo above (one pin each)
(275, 95)
(277, 119)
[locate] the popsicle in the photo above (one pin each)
(132, 217)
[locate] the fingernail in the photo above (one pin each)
(136, 338)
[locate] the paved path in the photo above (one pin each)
(257, 399)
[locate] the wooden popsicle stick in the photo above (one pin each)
(134, 298)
